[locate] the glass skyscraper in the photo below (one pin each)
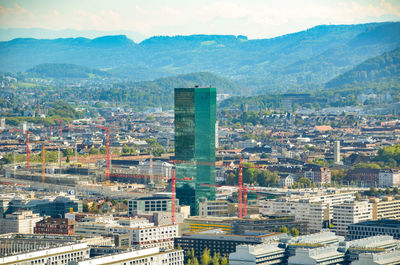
(195, 117)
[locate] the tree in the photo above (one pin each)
(224, 260)
(284, 229)
(85, 207)
(67, 160)
(215, 259)
(358, 196)
(367, 165)
(205, 258)
(94, 151)
(103, 150)
(306, 182)
(295, 232)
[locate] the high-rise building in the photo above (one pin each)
(336, 153)
(195, 118)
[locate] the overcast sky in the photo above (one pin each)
(253, 18)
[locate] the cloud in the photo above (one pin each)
(255, 18)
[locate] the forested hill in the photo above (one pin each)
(54, 70)
(304, 59)
(383, 70)
(140, 95)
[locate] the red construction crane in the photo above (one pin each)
(108, 149)
(242, 210)
(27, 144)
(173, 191)
(173, 186)
(60, 121)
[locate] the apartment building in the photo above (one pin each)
(349, 213)
(19, 222)
(387, 207)
(389, 178)
(317, 174)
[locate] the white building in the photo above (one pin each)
(389, 178)
(286, 181)
(19, 222)
(321, 255)
(156, 168)
(336, 153)
(213, 208)
(160, 236)
(100, 225)
(380, 258)
(55, 255)
(314, 213)
(147, 256)
(324, 237)
(257, 254)
(349, 213)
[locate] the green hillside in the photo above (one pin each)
(378, 70)
(54, 70)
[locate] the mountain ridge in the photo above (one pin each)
(305, 59)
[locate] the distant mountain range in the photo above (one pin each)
(41, 33)
(307, 59)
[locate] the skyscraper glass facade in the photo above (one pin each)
(195, 117)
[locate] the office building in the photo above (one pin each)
(350, 213)
(195, 119)
(147, 256)
(315, 209)
(378, 258)
(147, 205)
(219, 242)
(213, 208)
(54, 255)
(320, 255)
(354, 248)
(19, 222)
(387, 207)
(54, 207)
(269, 253)
(12, 244)
(154, 236)
(373, 228)
(315, 214)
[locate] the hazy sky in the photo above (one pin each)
(253, 18)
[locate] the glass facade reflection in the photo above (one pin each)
(195, 117)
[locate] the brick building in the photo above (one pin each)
(55, 226)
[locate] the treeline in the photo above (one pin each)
(62, 70)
